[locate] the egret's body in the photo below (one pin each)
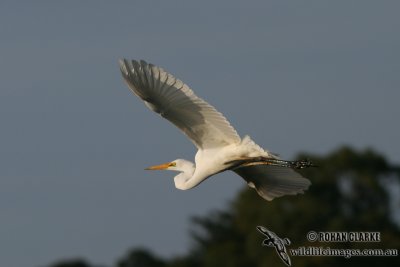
(214, 160)
(219, 146)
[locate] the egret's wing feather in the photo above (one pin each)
(273, 181)
(175, 101)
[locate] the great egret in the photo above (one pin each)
(219, 146)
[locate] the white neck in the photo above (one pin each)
(188, 177)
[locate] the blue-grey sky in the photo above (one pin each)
(295, 76)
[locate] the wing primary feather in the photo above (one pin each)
(146, 74)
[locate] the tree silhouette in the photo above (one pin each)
(72, 263)
(140, 258)
(347, 194)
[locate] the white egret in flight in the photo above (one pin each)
(219, 146)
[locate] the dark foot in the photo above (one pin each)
(301, 164)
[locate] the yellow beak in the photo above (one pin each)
(160, 167)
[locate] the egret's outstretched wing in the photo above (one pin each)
(175, 101)
(273, 181)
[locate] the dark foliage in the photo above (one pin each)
(72, 263)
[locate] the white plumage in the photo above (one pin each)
(219, 146)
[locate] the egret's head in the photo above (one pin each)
(184, 167)
(176, 165)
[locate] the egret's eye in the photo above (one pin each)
(172, 164)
